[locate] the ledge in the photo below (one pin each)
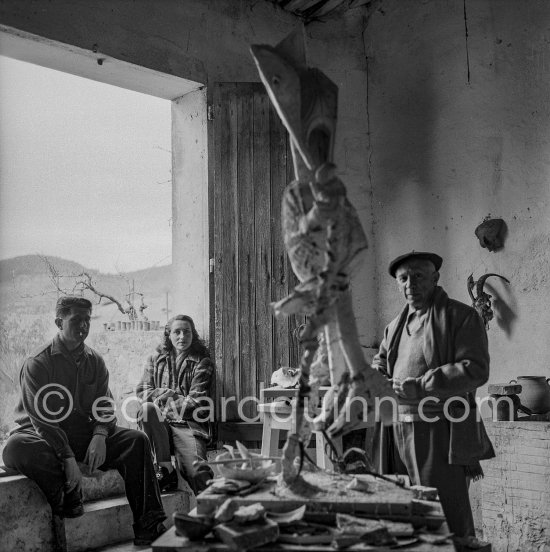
(26, 522)
(519, 424)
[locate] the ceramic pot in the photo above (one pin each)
(535, 393)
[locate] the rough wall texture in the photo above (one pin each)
(460, 130)
(190, 280)
(516, 488)
(201, 41)
(338, 49)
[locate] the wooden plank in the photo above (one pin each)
(246, 248)
(280, 159)
(262, 227)
(170, 542)
(252, 167)
(243, 536)
(219, 152)
(213, 237)
(229, 250)
(386, 499)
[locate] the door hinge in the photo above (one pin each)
(210, 112)
(211, 266)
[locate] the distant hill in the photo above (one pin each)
(32, 265)
(27, 287)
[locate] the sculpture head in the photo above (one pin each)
(305, 99)
(482, 300)
(491, 234)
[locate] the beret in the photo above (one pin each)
(424, 255)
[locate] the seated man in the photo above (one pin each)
(435, 352)
(65, 415)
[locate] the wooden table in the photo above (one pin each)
(331, 495)
(170, 542)
(326, 496)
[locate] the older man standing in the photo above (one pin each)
(435, 352)
(65, 415)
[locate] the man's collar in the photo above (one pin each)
(424, 309)
(411, 310)
(417, 312)
(59, 348)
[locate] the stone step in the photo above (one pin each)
(109, 521)
(25, 516)
(26, 520)
(104, 485)
(126, 546)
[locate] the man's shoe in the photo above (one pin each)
(74, 511)
(168, 481)
(72, 504)
(147, 536)
(68, 505)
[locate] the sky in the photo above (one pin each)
(85, 170)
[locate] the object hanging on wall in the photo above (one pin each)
(482, 301)
(491, 234)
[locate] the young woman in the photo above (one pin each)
(174, 389)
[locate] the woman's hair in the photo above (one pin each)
(198, 346)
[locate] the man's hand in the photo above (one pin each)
(73, 475)
(164, 396)
(407, 388)
(96, 453)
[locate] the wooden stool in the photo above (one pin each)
(277, 416)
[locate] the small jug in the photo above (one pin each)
(535, 394)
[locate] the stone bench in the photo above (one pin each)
(27, 524)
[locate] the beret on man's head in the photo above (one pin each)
(424, 255)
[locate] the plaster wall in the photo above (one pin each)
(190, 208)
(206, 42)
(460, 129)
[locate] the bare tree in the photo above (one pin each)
(84, 281)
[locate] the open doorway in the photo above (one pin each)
(88, 202)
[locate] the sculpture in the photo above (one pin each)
(482, 302)
(491, 233)
(324, 240)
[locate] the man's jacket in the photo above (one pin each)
(456, 352)
(59, 396)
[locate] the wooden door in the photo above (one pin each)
(250, 164)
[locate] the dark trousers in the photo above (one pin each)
(128, 451)
(424, 449)
(187, 448)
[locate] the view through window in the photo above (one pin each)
(85, 202)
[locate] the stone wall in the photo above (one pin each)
(516, 487)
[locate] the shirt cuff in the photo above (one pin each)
(101, 430)
(65, 452)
